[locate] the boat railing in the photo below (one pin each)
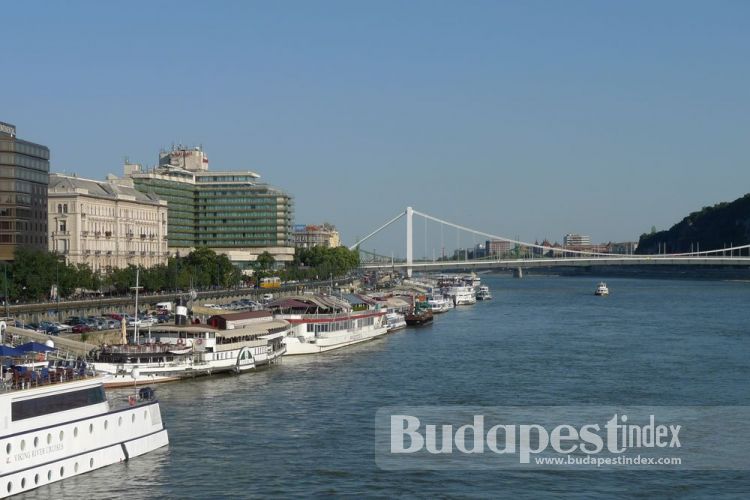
(19, 377)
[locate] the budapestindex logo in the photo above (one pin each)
(527, 439)
(560, 437)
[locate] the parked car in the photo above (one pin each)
(81, 328)
(113, 324)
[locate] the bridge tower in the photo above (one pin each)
(409, 246)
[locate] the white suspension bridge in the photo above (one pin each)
(560, 256)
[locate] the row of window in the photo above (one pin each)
(24, 148)
(10, 486)
(18, 171)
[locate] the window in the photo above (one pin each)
(65, 208)
(59, 208)
(36, 407)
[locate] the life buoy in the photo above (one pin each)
(199, 341)
(40, 357)
(180, 341)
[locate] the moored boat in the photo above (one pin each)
(601, 289)
(320, 324)
(62, 427)
(419, 317)
(483, 293)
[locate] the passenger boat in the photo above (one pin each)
(461, 295)
(324, 323)
(394, 321)
(483, 293)
(156, 363)
(601, 289)
(439, 304)
(59, 427)
(236, 342)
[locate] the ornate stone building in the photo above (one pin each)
(106, 224)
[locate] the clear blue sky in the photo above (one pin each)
(526, 118)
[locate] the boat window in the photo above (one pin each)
(36, 407)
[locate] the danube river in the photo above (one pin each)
(305, 427)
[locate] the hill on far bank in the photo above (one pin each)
(711, 228)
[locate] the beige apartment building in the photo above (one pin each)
(308, 236)
(105, 224)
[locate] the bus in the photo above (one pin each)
(273, 282)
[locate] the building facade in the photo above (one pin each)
(229, 212)
(576, 241)
(106, 224)
(24, 175)
(310, 236)
(498, 248)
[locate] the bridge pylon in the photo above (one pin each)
(409, 245)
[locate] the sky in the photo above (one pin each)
(527, 119)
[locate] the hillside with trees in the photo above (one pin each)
(716, 227)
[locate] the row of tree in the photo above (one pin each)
(38, 275)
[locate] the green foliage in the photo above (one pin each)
(34, 272)
(321, 262)
(710, 228)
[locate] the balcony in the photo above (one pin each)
(97, 234)
(129, 235)
(109, 252)
(60, 233)
(84, 233)
(131, 253)
(151, 236)
(108, 234)
(98, 252)
(87, 252)
(143, 236)
(143, 253)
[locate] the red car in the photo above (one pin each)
(81, 328)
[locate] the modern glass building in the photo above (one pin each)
(229, 212)
(24, 176)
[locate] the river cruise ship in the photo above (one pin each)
(321, 323)
(236, 342)
(55, 424)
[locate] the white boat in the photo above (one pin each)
(58, 430)
(321, 324)
(601, 289)
(237, 342)
(483, 293)
(472, 280)
(461, 295)
(394, 321)
(439, 304)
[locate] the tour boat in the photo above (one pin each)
(58, 427)
(461, 295)
(601, 289)
(439, 304)
(483, 293)
(394, 321)
(321, 324)
(236, 342)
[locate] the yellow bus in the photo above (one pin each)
(273, 282)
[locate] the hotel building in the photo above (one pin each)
(229, 212)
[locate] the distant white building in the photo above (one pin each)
(576, 240)
(105, 224)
